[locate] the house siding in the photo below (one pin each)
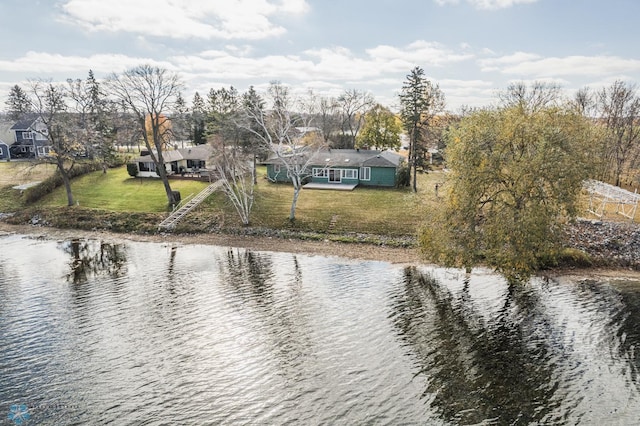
(4, 151)
(277, 175)
(350, 165)
(381, 176)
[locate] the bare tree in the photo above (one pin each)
(238, 180)
(353, 105)
(584, 102)
(328, 117)
(149, 93)
(619, 109)
(531, 97)
(281, 131)
(61, 126)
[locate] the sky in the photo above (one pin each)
(471, 48)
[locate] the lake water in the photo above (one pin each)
(146, 333)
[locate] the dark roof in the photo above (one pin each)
(349, 158)
(24, 124)
(198, 152)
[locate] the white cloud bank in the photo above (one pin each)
(182, 19)
(487, 4)
(535, 66)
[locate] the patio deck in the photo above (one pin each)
(332, 186)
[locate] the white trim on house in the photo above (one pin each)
(365, 173)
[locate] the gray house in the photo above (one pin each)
(352, 167)
(182, 160)
(29, 139)
(6, 138)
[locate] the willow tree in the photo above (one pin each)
(150, 93)
(516, 175)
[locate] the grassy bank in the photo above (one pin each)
(117, 202)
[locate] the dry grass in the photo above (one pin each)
(385, 211)
(14, 173)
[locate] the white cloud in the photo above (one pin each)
(181, 19)
(497, 4)
(531, 65)
(487, 4)
(41, 63)
(419, 52)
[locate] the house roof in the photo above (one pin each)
(6, 135)
(24, 124)
(198, 152)
(351, 158)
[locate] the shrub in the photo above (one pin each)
(47, 186)
(403, 176)
(132, 169)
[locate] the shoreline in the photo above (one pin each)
(352, 251)
(355, 251)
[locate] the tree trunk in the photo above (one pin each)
(66, 181)
(296, 193)
(255, 172)
(413, 163)
(165, 182)
(415, 185)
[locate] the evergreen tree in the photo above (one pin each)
(420, 100)
(18, 103)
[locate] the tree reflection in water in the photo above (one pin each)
(496, 368)
(93, 258)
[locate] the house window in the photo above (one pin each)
(319, 172)
(27, 135)
(276, 168)
(349, 174)
(365, 173)
(195, 164)
(44, 150)
(147, 167)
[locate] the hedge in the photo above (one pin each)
(48, 185)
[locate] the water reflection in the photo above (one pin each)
(618, 332)
(477, 368)
(148, 332)
(92, 258)
(278, 307)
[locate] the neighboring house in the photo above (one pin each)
(344, 166)
(30, 139)
(182, 160)
(4, 151)
(6, 138)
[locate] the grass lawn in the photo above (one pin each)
(386, 211)
(119, 192)
(393, 212)
(364, 210)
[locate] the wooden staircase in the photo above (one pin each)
(181, 211)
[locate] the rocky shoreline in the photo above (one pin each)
(611, 244)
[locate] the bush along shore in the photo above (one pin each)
(588, 243)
